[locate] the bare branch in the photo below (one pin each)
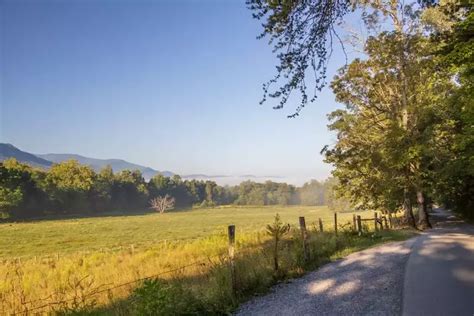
(162, 204)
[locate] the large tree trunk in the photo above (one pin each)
(423, 218)
(408, 217)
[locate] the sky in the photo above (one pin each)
(174, 85)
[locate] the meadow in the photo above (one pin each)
(65, 236)
(89, 264)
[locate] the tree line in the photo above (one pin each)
(71, 188)
(405, 136)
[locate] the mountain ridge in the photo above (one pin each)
(45, 161)
(9, 151)
(97, 164)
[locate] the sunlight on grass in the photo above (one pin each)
(51, 237)
(72, 279)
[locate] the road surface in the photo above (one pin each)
(439, 278)
(432, 274)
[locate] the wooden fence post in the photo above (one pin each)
(354, 222)
(304, 235)
(359, 224)
(335, 223)
(376, 222)
(231, 234)
(320, 225)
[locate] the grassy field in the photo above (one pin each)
(75, 265)
(51, 237)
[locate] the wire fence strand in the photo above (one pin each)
(49, 304)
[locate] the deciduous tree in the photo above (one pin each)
(162, 204)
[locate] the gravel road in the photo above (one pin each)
(369, 282)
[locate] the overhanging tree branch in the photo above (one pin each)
(301, 33)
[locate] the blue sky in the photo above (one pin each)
(174, 85)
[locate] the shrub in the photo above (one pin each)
(164, 298)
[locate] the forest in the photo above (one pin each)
(71, 188)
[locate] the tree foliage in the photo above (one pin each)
(455, 167)
(21, 188)
(68, 184)
(302, 34)
(377, 155)
(398, 133)
(71, 188)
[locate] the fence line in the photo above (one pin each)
(357, 227)
(125, 247)
(200, 263)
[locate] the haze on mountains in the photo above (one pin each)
(46, 160)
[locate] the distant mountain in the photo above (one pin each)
(10, 151)
(46, 160)
(97, 164)
(203, 176)
(251, 176)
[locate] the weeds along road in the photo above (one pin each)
(432, 274)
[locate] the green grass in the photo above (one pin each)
(60, 236)
(65, 282)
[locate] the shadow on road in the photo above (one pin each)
(440, 271)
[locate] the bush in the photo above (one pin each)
(164, 298)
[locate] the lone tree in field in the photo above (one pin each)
(277, 230)
(162, 204)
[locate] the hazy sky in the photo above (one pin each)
(174, 85)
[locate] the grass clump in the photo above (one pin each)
(167, 298)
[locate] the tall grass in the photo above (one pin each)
(81, 282)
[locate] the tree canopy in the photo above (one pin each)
(302, 34)
(71, 188)
(404, 138)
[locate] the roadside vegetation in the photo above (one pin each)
(187, 275)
